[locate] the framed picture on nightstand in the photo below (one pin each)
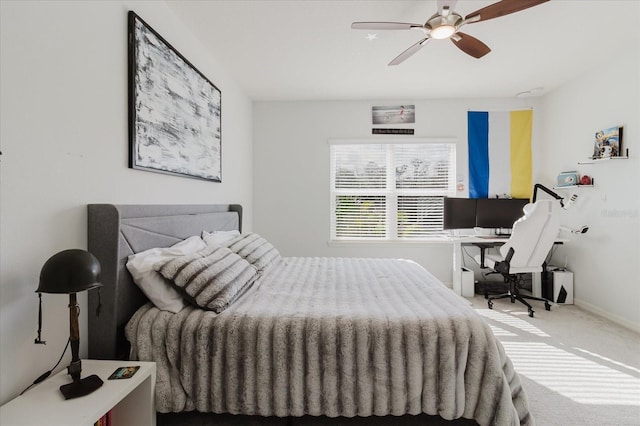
(124, 372)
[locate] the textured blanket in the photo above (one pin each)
(336, 337)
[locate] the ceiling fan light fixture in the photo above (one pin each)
(446, 23)
(442, 32)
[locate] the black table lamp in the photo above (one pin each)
(70, 272)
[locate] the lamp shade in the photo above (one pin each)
(69, 271)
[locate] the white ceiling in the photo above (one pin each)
(306, 50)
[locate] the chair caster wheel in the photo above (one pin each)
(490, 304)
(547, 306)
(531, 313)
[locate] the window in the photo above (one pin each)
(390, 191)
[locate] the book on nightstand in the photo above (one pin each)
(104, 420)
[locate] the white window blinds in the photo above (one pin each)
(390, 191)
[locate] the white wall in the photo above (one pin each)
(65, 144)
(291, 170)
(606, 260)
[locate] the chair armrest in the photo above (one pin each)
(504, 266)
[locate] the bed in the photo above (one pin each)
(336, 337)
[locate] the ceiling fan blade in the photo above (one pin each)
(449, 4)
(409, 52)
(470, 45)
(384, 26)
(501, 8)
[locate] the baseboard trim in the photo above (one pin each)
(600, 312)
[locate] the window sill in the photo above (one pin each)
(390, 243)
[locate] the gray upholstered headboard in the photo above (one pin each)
(117, 231)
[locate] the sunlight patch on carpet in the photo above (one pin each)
(511, 321)
(575, 373)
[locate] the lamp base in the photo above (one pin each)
(82, 387)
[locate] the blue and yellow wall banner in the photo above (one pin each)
(500, 160)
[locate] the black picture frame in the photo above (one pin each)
(175, 111)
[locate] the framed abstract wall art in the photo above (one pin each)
(174, 110)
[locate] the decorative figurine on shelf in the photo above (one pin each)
(585, 180)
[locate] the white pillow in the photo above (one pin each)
(219, 238)
(154, 285)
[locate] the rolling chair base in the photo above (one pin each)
(514, 294)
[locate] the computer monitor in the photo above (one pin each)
(499, 212)
(459, 213)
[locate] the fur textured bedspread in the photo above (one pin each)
(336, 337)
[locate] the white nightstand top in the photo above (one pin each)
(45, 405)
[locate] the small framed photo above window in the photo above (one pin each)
(394, 114)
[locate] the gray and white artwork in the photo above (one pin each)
(176, 111)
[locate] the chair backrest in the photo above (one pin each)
(533, 234)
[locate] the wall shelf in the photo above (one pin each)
(573, 186)
(599, 160)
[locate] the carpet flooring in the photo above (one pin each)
(577, 368)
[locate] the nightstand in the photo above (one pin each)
(131, 401)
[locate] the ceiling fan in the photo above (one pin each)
(446, 23)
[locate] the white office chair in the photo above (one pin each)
(526, 250)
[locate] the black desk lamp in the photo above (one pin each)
(548, 191)
(70, 272)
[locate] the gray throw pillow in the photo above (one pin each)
(212, 278)
(255, 249)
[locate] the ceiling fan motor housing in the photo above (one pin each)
(440, 26)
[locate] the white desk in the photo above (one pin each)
(460, 241)
(131, 401)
